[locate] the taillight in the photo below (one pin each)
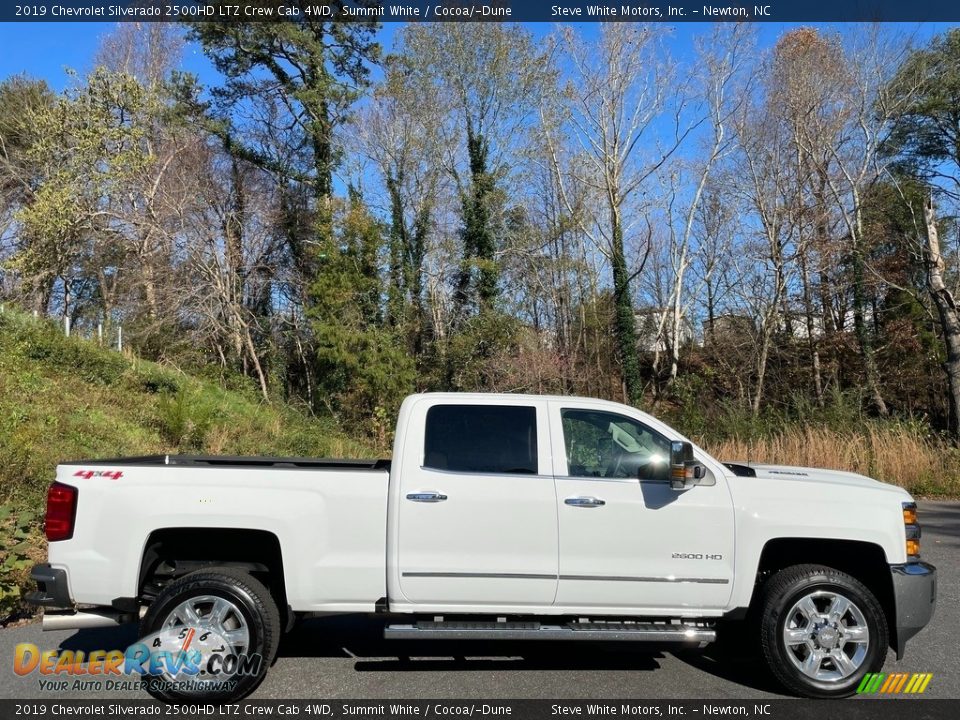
(61, 511)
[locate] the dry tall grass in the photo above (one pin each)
(892, 454)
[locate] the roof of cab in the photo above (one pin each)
(479, 396)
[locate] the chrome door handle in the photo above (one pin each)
(585, 502)
(428, 496)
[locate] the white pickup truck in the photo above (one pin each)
(500, 516)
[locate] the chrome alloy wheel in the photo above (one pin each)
(214, 626)
(826, 636)
(210, 612)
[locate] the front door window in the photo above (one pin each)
(607, 445)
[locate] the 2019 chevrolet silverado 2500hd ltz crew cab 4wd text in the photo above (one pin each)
(499, 516)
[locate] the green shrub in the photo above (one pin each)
(17, 542)
(183, 420)
(226, 378)
(152, 379)
(85, 360)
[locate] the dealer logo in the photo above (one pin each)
(184, 658)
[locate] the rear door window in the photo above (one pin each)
(498, 439)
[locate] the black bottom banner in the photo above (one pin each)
(891, 708)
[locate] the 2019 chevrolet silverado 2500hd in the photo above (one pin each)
(499, 516)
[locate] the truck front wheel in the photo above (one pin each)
(210, 635)
(821, 630)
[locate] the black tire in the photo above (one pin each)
(259, 612)
(779, 595)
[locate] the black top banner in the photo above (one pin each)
(476, 11)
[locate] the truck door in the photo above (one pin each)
(627, 540)
(476, 512)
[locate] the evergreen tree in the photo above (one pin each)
(303, 75)
(363, 367)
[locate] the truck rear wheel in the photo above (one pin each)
(212, 634)
(821, 630)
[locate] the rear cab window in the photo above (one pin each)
(499, 439)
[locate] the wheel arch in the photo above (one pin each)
(171, 552)
(866, 561)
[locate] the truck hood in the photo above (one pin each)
(819, 475)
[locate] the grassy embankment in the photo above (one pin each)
(66, 399)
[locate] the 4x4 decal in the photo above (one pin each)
(110, 474)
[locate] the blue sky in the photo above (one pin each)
(45, 50)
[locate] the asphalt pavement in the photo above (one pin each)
(347, 658)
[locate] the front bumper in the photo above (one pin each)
(914, 599)
(52, 589)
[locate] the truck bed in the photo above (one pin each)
(327, 516)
